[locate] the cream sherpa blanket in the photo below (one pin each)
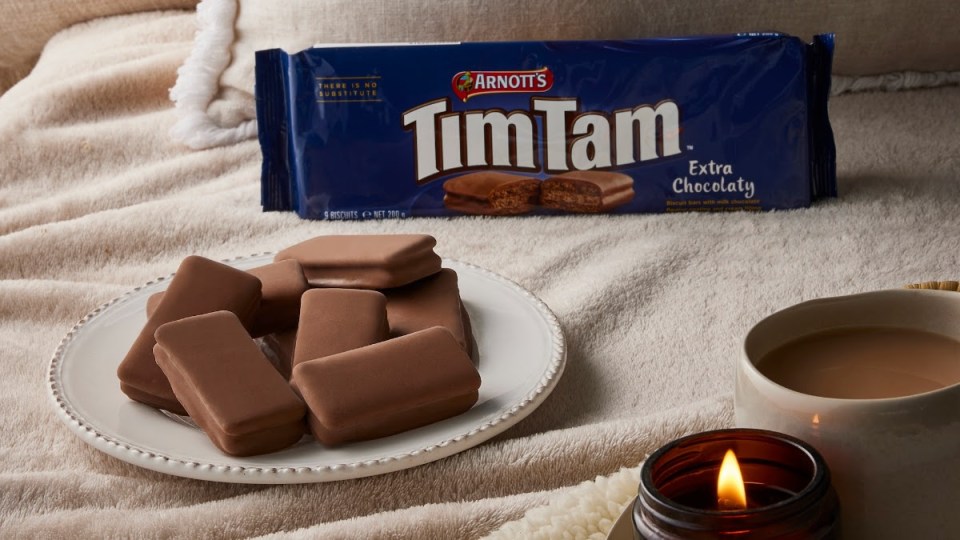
(96, 199)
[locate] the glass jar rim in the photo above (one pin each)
(799, 501)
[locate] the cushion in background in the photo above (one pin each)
(872, 36)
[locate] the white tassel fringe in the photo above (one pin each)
(198, 80)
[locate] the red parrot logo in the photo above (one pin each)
(467, 84)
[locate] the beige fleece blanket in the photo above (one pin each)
(95, 199)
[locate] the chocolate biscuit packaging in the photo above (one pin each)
(719, 123)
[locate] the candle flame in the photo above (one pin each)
(731, 493)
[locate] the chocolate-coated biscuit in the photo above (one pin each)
(365, 261)
(282, 285)
(386, 388)
(199, 286)
(227, 385)
(336, 320)
(432, 301)
(153, 301)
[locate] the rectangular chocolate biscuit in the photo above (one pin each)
(199, 286)
(388, 387)
(227, 385)
(336, 320)
(433, 301)
(365, 261)
(491, 193)
(282, 284)
(586, 191)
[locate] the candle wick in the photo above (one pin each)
(726, 503)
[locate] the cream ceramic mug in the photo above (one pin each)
(895, 462)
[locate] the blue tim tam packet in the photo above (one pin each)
(716, 123)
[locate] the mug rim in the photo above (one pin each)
(748, 363)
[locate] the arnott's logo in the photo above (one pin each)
(467, 84)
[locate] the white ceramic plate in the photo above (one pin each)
(521, 357)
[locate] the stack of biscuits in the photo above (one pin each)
(366, 337)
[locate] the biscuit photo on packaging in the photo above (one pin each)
(491, 193)
(586, 191)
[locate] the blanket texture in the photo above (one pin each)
(26, 26)
(96, 199)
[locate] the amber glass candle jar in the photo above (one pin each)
(788, 491)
